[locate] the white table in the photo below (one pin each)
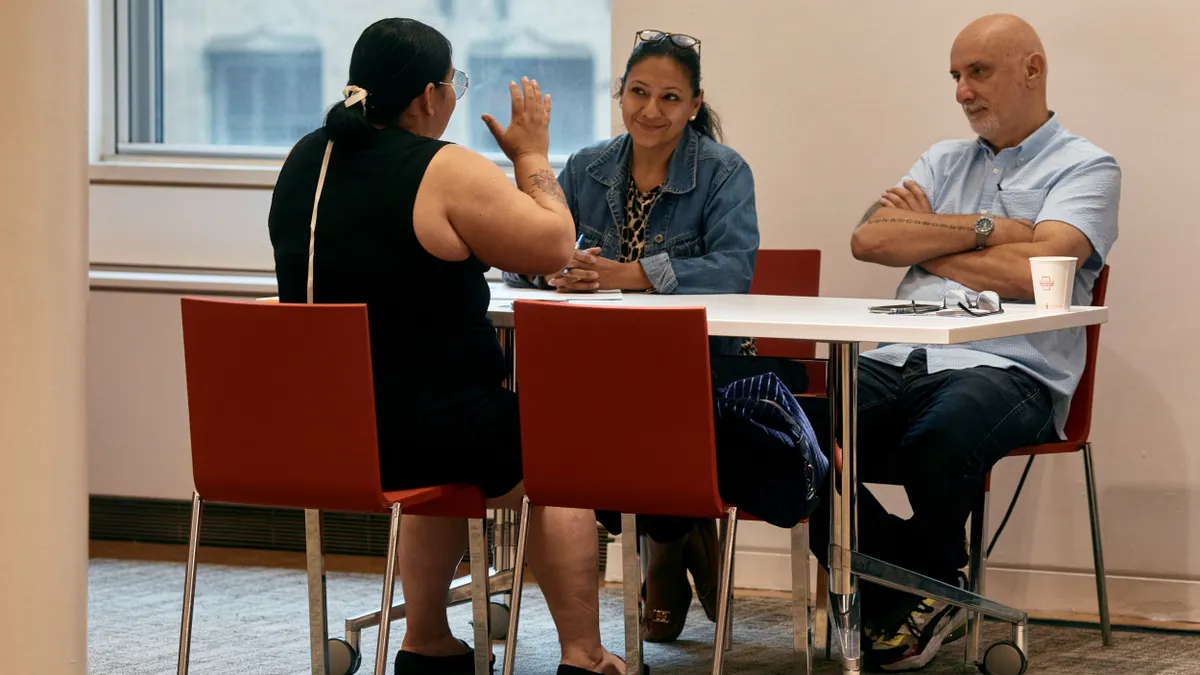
(844, 323)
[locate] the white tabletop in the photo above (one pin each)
(824, 319)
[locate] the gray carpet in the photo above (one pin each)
(252, 621)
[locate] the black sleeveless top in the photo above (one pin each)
(432, 345)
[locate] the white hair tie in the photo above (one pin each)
(355, 95)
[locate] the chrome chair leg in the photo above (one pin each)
(723, 537)
(644, 554)
(802, 654)
(318, 609)
(724, 592)
(478, 553)
(631, 573)
(729, 613)
(189, 587)
(518, 581)
(389, 583)
(822, 633)
(1097, 548)
(976, 577)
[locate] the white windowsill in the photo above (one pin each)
(185, 171)
(184, 282)
(199, 282)
(216, 171)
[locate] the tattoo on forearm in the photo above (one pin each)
(870, 212)
(544, 180)
(926, 223)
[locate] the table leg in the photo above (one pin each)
(505, 523)
(843, 535)
(846, 565)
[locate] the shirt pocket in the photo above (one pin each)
(593, 238)
(1019, 204)
(687, 245)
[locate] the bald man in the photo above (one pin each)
(965, 219)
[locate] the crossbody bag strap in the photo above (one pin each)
(312, 226)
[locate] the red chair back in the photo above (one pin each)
(616, 408)
(281, 404)
(1079, 418)
(787, 272)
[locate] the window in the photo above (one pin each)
(228, 78)
(265, 88)
(563, 69)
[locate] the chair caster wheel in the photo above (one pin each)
(498, 620)
(343, 659)
(1004, 658)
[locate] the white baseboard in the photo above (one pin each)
(1039, 591)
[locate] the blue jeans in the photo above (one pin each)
(938, 435)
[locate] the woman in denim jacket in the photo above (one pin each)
(664, 208)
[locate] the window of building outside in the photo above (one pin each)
(248, 79)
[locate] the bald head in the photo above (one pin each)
(1000, 66)
(1002, 35)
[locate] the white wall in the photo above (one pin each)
(830, 103)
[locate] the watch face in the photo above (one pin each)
(984, 226)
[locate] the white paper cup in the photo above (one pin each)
(1053, 281)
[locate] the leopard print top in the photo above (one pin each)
(637, 215)
(633, 236)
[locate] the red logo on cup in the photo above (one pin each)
(1046, 283)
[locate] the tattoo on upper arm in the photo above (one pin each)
(544, 180)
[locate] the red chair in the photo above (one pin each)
(1077, 431)
(1078, 428)
(282, 414)
(795, 273)
(660, 459)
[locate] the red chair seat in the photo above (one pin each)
(445, 501)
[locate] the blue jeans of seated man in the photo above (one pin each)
(938, 434)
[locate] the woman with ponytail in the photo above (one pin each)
(664, 208)
(369, 203)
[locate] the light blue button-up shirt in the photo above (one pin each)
(1052, 175)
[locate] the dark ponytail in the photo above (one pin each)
(393, 60)
(347, 125)
(707, 122)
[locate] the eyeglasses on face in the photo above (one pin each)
(678, 39)
(460, 82)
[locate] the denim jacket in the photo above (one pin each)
(702, 233)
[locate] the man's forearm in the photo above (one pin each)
(1003, 269)
(900, 238)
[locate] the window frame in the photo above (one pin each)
(119, 159)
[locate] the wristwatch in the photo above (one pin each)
(983, 228)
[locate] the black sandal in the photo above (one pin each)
(411, 663)
(564, 669)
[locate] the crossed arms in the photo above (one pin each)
(901, 230)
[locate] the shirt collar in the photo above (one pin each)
(1034, 143)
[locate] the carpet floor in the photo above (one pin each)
(253, 621)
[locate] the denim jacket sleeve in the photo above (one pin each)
(730, 243)
(564, 181)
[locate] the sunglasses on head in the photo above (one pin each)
(677, 39)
